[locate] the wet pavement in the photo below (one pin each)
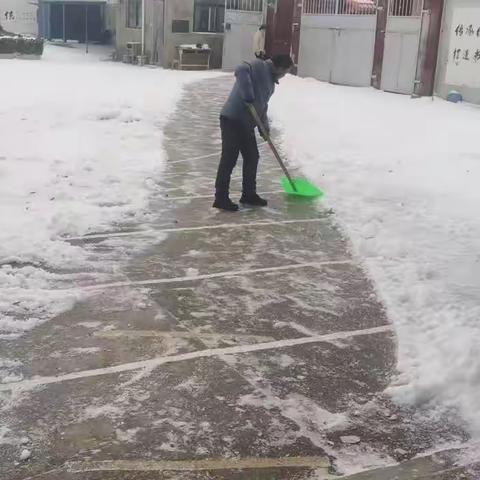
(234, 346)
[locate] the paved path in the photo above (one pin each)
(236, 346)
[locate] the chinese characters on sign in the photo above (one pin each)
(463, 66)
(466, 54)
(9, 15)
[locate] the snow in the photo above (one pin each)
(402, 175)
(25, 455)
(81, 152)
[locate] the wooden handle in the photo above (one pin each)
(267, 137)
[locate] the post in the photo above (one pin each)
(64, 32)
(143, 28)
(86, 28)
(417, 81)
(381, 27)
(427, 75)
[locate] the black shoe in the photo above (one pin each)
(253, 200)
(225, 204)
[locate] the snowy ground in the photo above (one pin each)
(81, 142)
(403, 176)
(94, 158)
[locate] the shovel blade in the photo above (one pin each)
(303, 188)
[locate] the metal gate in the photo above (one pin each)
(402, 46)
(337, 41)
(242, 19)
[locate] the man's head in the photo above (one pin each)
(282, 64)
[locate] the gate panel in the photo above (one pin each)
(402, 39)
(317, 46)
(353, 61)
(338, 47)
(242, 19)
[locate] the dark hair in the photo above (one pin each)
(262, 27)
(282, 60)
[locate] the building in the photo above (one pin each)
(77, 20)
(390, 44)
(157, 27)
(458, 65)
(19, 16)
(160, 27)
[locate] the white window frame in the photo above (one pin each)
(211, 17)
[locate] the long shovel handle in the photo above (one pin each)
(267, 137)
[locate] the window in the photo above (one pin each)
(405, 8)
(134, 13)
(248, 5)
(209, 16)
(340, 7)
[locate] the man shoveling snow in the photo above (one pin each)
(255, 85)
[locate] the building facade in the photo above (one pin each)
(167, 24)
(458, 65)
(19, 16)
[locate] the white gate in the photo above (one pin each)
(337, 41)
(242, 19)
(402, 41)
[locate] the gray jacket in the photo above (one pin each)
(255, 84)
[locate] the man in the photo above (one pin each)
(259, 42)
(255, 84)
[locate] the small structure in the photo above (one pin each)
(193, 57)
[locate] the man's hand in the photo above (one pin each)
(265, 135)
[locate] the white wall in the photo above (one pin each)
(459, 74)
(24, 16)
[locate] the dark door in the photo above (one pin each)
(279, 27)
(78, 17)
(56, 21)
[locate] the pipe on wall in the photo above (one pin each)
(143, 27)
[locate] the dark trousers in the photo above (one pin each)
(237, 139)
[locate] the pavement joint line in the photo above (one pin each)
(218, 152)
(211, 195)
(210, 464)
(211, 178)
(180, 334)
(25, 385)
(200, 227)
(224, 274)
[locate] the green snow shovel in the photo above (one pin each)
(293, 186)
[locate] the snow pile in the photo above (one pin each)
(403, 177)
(81, 148)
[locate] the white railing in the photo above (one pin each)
(340, 7)
(405, 8)
(245, 5)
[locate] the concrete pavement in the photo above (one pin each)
(234, 346)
